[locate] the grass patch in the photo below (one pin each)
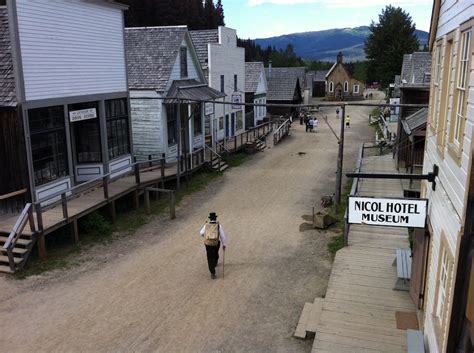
(95, 229)
(236, 159)
(338, 212)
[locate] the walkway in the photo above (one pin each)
(359, 307)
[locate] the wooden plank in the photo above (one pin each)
(415, 341)
(300, 331)
(344, 338)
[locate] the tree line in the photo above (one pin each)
(196, 14)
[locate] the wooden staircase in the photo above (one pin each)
(16, 246)
(217, 164)
(309, 319)
(260, 145)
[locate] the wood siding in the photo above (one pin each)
(71, 48)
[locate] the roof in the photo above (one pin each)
(320, 75)
(201, 39)
(253, 70)
(7, 77)
(415, 121)
(287, 73)
(282, 83)
(151, 54)
(191, 90)
(416, 69)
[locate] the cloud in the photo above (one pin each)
(341, 3)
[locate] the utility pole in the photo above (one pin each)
(340, 156)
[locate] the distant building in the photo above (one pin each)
(284, 87)
(319, 83)
(340, 85)
(256, 88)
(223, 63)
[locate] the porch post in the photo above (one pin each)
(103, 136)
(191, 133)
(67, 126)
(178, 140)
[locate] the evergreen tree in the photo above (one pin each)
(219, 14)
(388, 41)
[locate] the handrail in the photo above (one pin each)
(287, 121)
(214, 152)
(13, 194)
(25, 217)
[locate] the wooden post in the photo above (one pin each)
(105, 186)
(147, 200)
(39, 216)
(136, 200)
(137, 172)
(150, 163)
(112, 213)
(172, 205)
(64, 205)
(340, 157)
(42, 246)
(75, 231)
(31, 220)
(186, 168)
(235, 143)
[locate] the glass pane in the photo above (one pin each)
(43, 119)
(87, 137)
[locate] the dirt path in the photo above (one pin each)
(153, 292)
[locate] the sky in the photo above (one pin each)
(268, 18)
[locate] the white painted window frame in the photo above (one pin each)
(331, 86)
(356, 89)
(346, 86)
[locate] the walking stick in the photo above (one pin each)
(223, 264)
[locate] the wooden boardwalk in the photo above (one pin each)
(359, 307)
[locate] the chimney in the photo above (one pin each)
(270, 68)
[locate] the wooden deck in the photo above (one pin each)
(359, 307)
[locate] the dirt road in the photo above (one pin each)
(153, 293)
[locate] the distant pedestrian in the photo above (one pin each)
(306, 122)
(348, 122)
(213, 235)
(315, 124)
(337, 112)
(311, 124)
(301, 118)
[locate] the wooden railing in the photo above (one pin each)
(13, 202)
(282, 131)
(236, 143)
(25, 217)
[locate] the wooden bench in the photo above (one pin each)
(415, 341)
(403, 262)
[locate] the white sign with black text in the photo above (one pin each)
(387, 211)
(236, 98)
(83, 114)
(209, 108)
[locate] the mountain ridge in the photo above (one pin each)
(325, 44)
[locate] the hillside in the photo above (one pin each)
(324, 45)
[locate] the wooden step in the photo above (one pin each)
(16, 251)
(24, 242)
(309, 319)
(5, 269)
(300, 331)
(17, 260)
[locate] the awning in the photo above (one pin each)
(415, 121)
(190, 91)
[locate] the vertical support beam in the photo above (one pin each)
(162, 170)
(147, 200)
(136, 200)
(137, 171)
(105, 186)
(340, 157)
(42, 246)
(75, 231)
(64, 205)
(103, 136)
(172, 205)
(178, 140)
(39, 216)
(112, 211)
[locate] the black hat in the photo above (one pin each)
(212, 216)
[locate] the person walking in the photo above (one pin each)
(337, 112)
(306, 122)
(315, 124)
(311, 126)
(348, 122)
(213, 234)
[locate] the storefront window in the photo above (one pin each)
(86, 132)
(171, 123)
(118, 140)
(197, 119)
(48, 144)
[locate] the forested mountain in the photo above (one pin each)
(324, 45)
(194, 13)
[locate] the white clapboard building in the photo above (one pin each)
(447, 314)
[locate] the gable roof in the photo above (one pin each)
(282, 82)
(253, 71)
(200, 40)
(320, 75)
(415, 121)
(151, 54)
(7, 77)
(416, 69)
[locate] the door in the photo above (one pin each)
(419, 255)
(232, 124)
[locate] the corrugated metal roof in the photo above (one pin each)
(415, 121)
(191, 91)
(7, 77)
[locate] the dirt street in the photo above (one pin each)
(153, 293)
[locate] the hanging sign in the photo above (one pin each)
(236, 98)
(387, 211)
(83, 114)
(209, 108)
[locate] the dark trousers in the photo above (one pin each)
(212, 257)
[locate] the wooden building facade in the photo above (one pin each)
(256, 88)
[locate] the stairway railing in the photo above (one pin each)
(25, 217)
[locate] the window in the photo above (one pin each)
(240, 120)
(356, 89)
(443, 96)
(197, 122)
(48, 144)
(183, 62)
(459, 107)
(346, 86)
(222, 84)
(171, 111)
(331, 87)
(118, 138)
(221, 123)
(436, 88)
(235, 83)
(87, 135)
